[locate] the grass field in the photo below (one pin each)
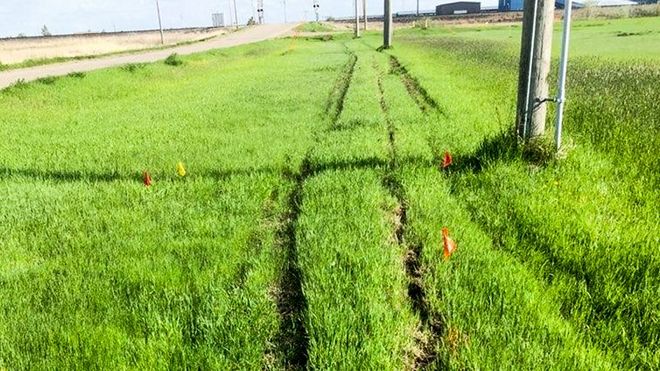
(306, 232)
(612, 39)
(315, 27)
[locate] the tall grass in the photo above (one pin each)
(584, 226)
(307, 230)
(99, 271)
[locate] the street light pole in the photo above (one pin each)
(357, 19)
(316, 9)
(561, 98)
(235, 14)
(285, 19)
(364, 13)
(160, 23)
(260, 11)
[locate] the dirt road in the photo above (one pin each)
(246, 36)
(22, 49)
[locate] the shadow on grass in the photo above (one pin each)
(503, 147)
(557, 253)
(224, 174)
(343, 165)
(588, 289)
(63, 176)
(309, 168)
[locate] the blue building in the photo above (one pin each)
(510, 5)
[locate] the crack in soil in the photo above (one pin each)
(424, 101)
(292, 341)
(432, 326)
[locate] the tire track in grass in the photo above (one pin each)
(432, 325)
(337, 97)
(292, 341)
(424, 101)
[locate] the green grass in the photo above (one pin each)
(354, 283)
(620, 39)
(315, 27)
(307, 232)
(496, 311)
(112, 274)
(584, 226)
(99, 270)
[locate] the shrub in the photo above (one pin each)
(48, 80)
(78, 75)
(132, 67)
(173, 60)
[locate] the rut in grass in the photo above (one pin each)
(424, 101)
(335, 103)
(431, 322)
(292, 340)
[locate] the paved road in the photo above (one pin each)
(250, 35)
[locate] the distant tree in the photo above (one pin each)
(45, 32)
(251, 21)
(21, 35)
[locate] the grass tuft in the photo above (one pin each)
(315, 27)
(173, 60)
(540, 150)
(50, 80)
(77, 75)
(133, 67)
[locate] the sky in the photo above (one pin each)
(74, 16)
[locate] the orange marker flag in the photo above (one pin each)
(447, 161)
(180, 169)
(450, 245)
(146, 178)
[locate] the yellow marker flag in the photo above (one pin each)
(180, 169)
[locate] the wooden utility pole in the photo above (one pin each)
(160, 23)
(418, 8)
(357, 19)
(364, 12)
(535, 56)
(387, 26)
